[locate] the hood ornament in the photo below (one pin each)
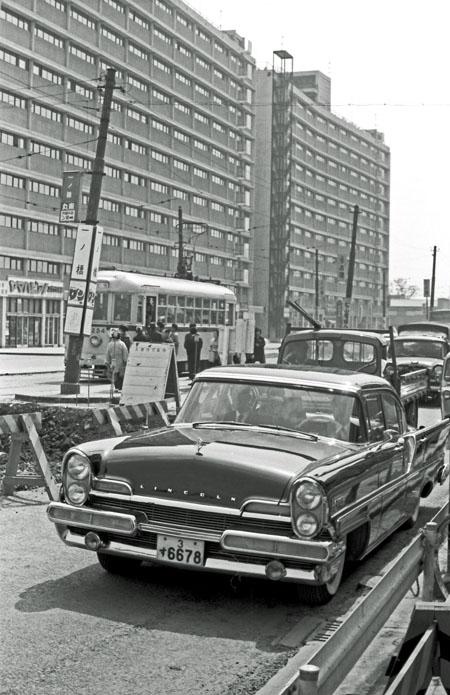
(200, 445)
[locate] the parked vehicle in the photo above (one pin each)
(266, 471)
(445, 388)
(423, 345)
(358, 351)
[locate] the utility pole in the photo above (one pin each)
(433, 280)
(384, 291)
(351, 268)
(181, 267)
(316, 313)
(75, 342)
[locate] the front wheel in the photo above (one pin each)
(116, 564)
(319, 594)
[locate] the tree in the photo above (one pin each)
(400, 287)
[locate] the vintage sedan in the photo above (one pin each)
(267, 471)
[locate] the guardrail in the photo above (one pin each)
(319, 668)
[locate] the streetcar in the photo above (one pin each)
(135, 299)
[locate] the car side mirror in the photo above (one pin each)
(389, 434)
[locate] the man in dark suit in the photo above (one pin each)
(193, 345)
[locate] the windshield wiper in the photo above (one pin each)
(290, 430)
(212, 423)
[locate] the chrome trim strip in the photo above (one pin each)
(114, 482)
(224, 566)
(327, 546)
(85, 515)
(197, 506)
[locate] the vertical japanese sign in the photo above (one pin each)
(71, 196)
(83, 280)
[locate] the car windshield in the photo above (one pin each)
(352, 354)
(315, 411)
(419, 348)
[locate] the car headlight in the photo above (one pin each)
(438, 370)
(76, 493)
(446, 395)
(78, 467)
(307, 525)
(308, 495)
(95, 340)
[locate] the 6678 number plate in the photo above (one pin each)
(182, 551)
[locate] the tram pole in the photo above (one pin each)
(75, 342)
(181, 267)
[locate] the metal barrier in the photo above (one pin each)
(128, 413)
(318, 669)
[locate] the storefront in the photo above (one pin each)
(31, 312)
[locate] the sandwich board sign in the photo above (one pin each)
(151, 374)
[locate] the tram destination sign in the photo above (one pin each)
(83, 280)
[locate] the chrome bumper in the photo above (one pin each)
(321, 554)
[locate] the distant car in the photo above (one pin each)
(266, 472)
(416, 350)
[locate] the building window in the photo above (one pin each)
(137, 115)
(177, 193)
(115, 139)
(112, 172)
(12, 181)
(157, 125)
(159, 187)
(18, 21)
(35, 266)
(133, 245)
(39, 148)
(80, 89)
(160, 96)
(82, 19)
(163, 6)
(178, 164)
(11, 263)
(200, 145)
(44, 188)
(82, 55)
(183, 79)
(110, 240)
(178, 135)
(160, 157)
(185, 51)
(203, 64)
(133, 178)
(137, 83)
(11, 221)
(135, 147)
(135, 50)
(182, 107)
(162, 66)
(82, 126)
(140, 21)
(115, 5)
(133, 211)
(198, 200)
(111, 36)
(12, 100)
(57, 4)
(158, 249)
(44, 228)
(46, 113)
(47, 36)
(200, 117)
(200, 173)
(70, 233)
(201, 34)
(161, 35)
(109, 205)
(13, 59)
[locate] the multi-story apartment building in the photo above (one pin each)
(312, 169)
(181, 133)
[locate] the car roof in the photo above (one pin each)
(312, 375)
(343, 334)
(412, 335)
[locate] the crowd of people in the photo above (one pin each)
(120, 343)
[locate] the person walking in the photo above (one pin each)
(258, 347)
(193, 345)
(124, 337)
(213, 352)
(116, 359)
(154, 336)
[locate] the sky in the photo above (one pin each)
(389, 67)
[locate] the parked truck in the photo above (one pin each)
(364, 351)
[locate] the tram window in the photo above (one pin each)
(189, 301)
(170, 314)
(221, 316)
(189, 315)
(181, 301)
(197, 316)
(101, 307)
(221, 304)
(206, 303)
(205, 317)
(122, 307)
(214, 304)
(140, 310)
(180, 316)
(214, 318)
(230, 320)
(149, 310)
(198, 302)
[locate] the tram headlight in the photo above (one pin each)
(95, 341)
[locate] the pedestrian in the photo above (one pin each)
(154, 336)
(116, 359)
(258, 348)
(213, 352)
(193, 345)
(124, 337)
(140, 336)
(175, 338)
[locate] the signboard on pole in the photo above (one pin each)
(71, 196)
(83, 280)
(151, 368)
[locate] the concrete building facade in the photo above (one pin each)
(181, 134)
(312, 168)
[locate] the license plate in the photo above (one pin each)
(182, 551)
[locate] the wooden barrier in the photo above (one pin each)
(24, 428)
(128, 413)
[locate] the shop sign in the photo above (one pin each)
(83, 281)
(23, 287)
(70, 196)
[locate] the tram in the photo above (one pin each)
(132, 299)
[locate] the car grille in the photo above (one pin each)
(202, 521)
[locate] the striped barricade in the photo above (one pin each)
(24, 428)
(129, 413)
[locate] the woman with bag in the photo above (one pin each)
(213, 352)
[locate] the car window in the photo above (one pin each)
(307, 351)
(358, 352)
(393, 415)
(376, 419)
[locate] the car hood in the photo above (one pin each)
(427, 362)
(216, 465)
